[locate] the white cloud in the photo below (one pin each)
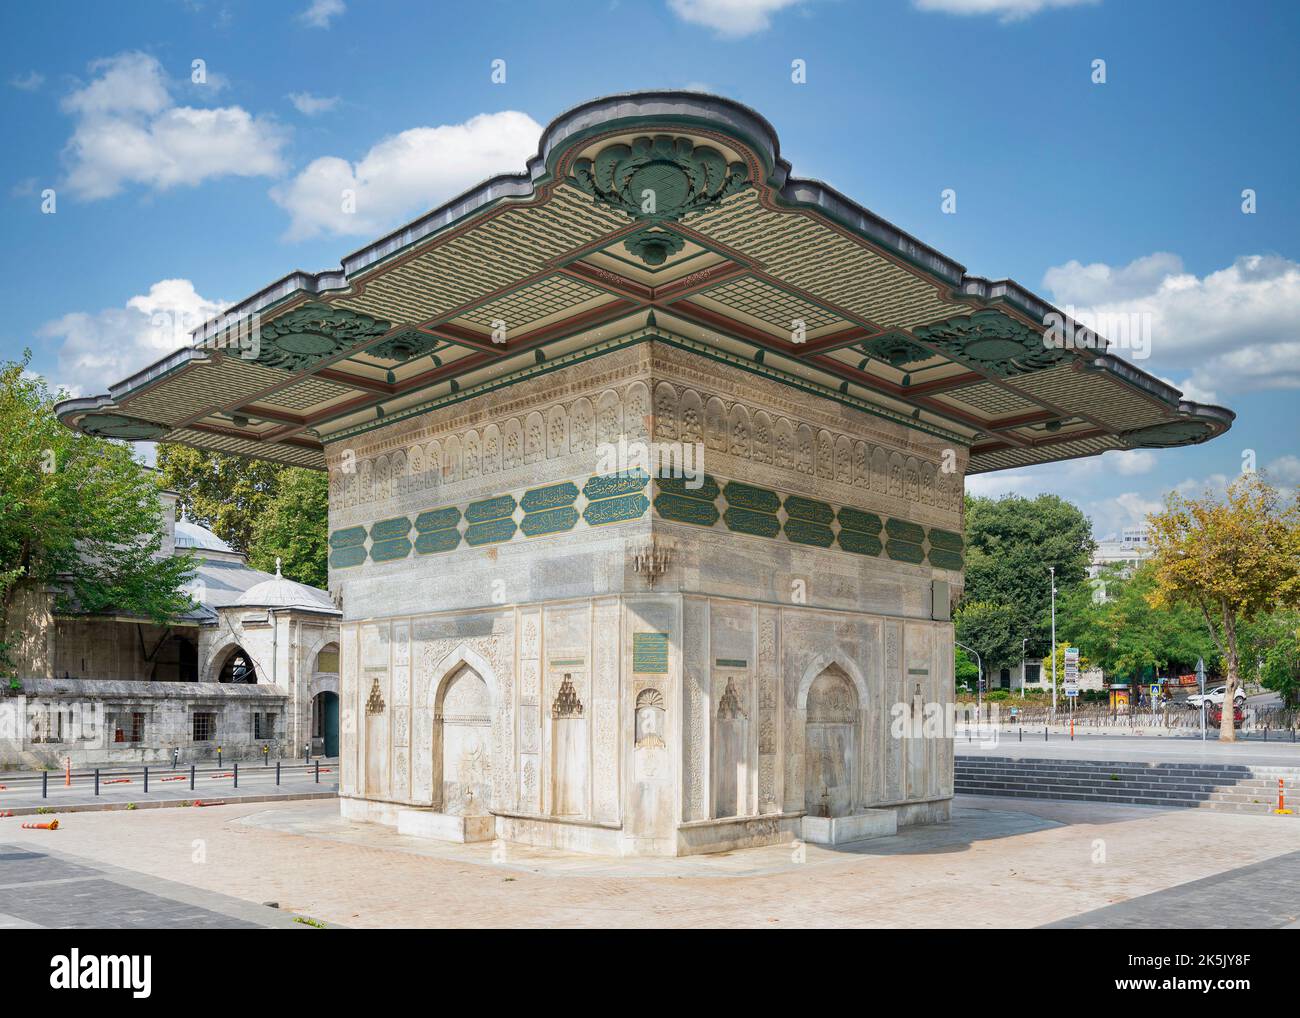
(1284, 470)
(313, 105)
(1006, 10)
(730, 18)
(320, 13)
(98, 349)
(1130, 462)
(28, 82)
(129, 132)
(1233, 329)
(404, 174)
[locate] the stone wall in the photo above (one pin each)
(630, 661)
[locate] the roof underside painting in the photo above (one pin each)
(667, 216)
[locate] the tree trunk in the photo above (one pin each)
(1228, 712)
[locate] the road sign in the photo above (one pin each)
(1071, 689)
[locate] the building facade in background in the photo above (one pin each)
(252, 670)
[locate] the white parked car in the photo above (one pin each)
(1216, 695)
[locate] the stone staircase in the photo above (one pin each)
(1224, 788)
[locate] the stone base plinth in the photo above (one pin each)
(420, 823)
(874, 823)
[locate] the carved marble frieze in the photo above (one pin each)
(768, 442)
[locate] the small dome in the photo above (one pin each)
(278, 592)
(191, 535)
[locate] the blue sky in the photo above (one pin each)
(178, 196)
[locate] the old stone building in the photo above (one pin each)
(646, 476)
(252, 670)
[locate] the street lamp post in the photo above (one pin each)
(1022, 666)
(979, 677)
(1052, 569)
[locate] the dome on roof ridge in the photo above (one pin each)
(278, 592)
(191, 535)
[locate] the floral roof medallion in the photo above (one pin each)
(117, 426)
(992, 341)
(895, 349)
(1171, 433)
(660, 178)
(404, 346)
(313, 333)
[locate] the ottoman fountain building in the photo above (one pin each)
(646, 473)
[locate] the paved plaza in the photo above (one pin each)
(998, 863)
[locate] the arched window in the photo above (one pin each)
(238, 668)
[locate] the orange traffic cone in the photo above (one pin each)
(53, 825)
(1281, 800)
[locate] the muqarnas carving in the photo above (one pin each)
(375, 703)
(567, 704)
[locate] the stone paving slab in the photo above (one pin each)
(41, 888)
(1264, 895)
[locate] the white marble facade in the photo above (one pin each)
(644, 685)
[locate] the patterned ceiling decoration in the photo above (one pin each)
(668, 216)
(654, 246)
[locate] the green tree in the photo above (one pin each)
(988, 629)
(1125, 636)
(226, 494)
(1010, 543)
(965, 671)
(78, 514)
(1274, 640)
(1233, 559)
(265, 510)
(294, 528)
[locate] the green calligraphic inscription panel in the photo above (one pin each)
(650, 653)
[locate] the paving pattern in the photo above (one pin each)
(44, 889)
(999, 863)
(1265, 895)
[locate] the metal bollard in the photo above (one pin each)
(146, 781)
(96, 780)
(1022, 733)
(191, 777)
(318, 772)
(1044, 733)
(277, 772)
(45, 784)
(236, 784)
